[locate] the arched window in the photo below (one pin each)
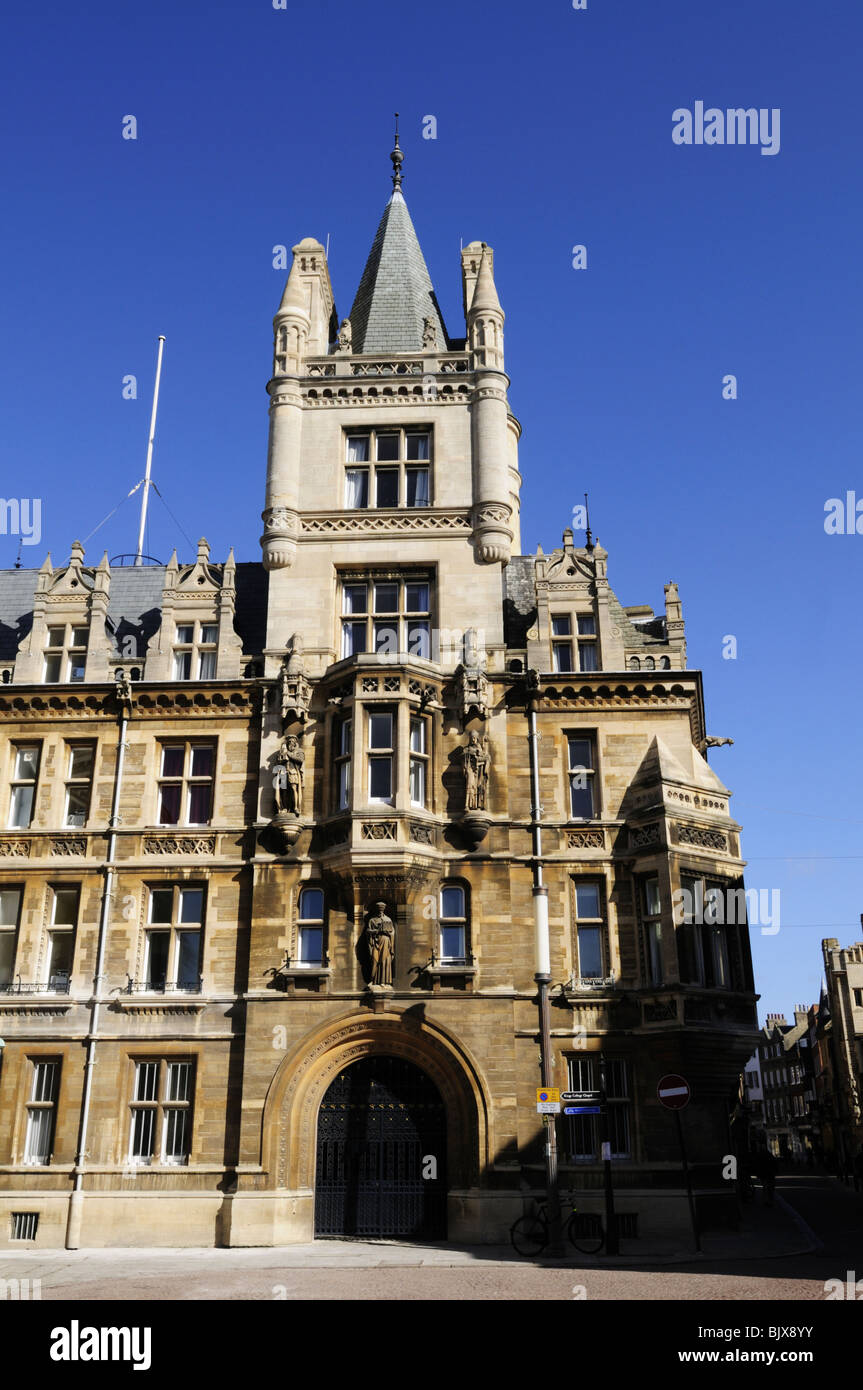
(453, 923)
(310, 927)
(649, 663)
(664, 663)
(634, 664)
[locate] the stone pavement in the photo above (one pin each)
(767, 1232)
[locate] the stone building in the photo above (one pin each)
(269, 848)
(843, 972)
(781, 1090)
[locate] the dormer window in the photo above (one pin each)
(195, 651)
(65, 654)
(388, 468)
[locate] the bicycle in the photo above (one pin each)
(531, 1234)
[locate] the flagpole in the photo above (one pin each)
(146, 495)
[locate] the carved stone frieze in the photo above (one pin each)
(379, 830)
(14, 849)
(69, 845)
(701, 836)
(179, 844)
(585, 839)
(642, 836)
(353, 523)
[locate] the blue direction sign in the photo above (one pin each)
(581, 1109)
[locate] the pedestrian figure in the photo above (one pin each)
(765, 1169)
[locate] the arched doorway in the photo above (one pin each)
(381, 1153)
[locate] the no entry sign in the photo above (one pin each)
(673, 1092)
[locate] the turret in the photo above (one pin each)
(492, 509)
(301, 329)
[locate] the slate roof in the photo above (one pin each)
(134, 606)
(395, 293)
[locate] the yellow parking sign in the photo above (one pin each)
(544, 1094)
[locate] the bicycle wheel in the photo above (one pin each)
(529, 1235)
(585, 1232)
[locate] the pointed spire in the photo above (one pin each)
(293, 299)
(485, 294)
(395, 295)
(398, 159)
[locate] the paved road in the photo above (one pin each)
(343, 1270)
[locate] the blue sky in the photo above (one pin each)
(554, 129)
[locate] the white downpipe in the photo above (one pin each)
(76, 1201)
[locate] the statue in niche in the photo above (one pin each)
(429, 334)
(380, 939)
(294, 689)
(473, 682)
(288, 775)
(345, 336)
(476, 762)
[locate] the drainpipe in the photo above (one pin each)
(543, 972)
(76, 1200)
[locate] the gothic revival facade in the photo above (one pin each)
(269, 841)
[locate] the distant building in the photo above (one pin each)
(843, 972)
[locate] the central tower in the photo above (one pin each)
(391, 445)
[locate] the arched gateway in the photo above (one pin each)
(327, 1126)
(381, 1153)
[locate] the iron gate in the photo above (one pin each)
(380, 1123)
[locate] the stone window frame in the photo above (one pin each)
(598, 878)
(71, 745)
(402, 464)
(590, 735)
(186, 778)
(52, 928)
(15, 747)
(159, 1106)
(66, 651)
(318, 923)
(13, 931)
(454, 881)
(196, 648)
(38, 1102)
(401, 618)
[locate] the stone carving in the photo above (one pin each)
(702, 837)
(379, 830)
(430, 334)
(14, 849)
(476, 762)
(585, 839)
(421, 833)
(472, 680)
(288, 776)
(664, 1012)
(179, 844)
(380, 941)
(711, 741)
(122, 688)
(69, 845)
(643, 835)
(369, 685)
(295, 691)
(345, 336)
(425, 521)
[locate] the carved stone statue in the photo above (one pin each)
(345, 336)
(380, 939)
(476, 762)
(429, 333)
(473, 682)
(122, 687)
(295, 692)
(288, 775)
